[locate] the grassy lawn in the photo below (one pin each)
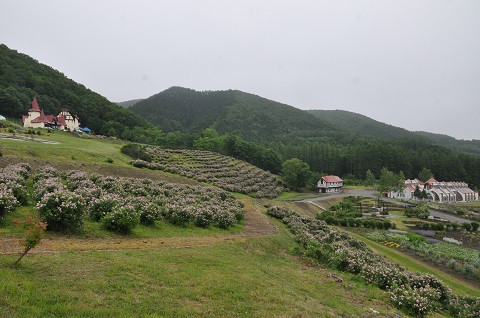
(70, 149)
(296, 196)
(411, 263)
(255, 278)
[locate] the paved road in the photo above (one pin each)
(371, 194)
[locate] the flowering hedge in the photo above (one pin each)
(62, 210)
(224, 172)
(121, 203)
(13, 178)
(415, 293)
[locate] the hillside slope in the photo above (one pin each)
(367, 127)
(467, 146)
(360, 124)
(22, 78)
(243, 114)
(129, 103)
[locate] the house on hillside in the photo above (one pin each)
(36, 118)
(330, 184)
(437, 191)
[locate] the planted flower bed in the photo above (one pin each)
(66, 199)
(224, 172)
(416, 294)
(12, 187)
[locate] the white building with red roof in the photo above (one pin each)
(437, 191)
(36, 118)
(330, 184)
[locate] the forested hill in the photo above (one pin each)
(22, 78)
(129, 103)
(468, 146)
(249, 116)
(367, 127)
(360, 124)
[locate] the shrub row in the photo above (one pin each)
(64, 200)
(415, 293)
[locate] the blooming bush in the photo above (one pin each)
(99, 207)
(416, 301)
(62, 210)
(415, 293)
(8, 201)
(224, 172)
(121, 220)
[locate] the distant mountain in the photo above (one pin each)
(467, 146)
(367, 127)
(22, 78)
(249, 116)
(129, 103)
(361, 124)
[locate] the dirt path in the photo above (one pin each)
(256, 225)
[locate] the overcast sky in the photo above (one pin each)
(413, 64)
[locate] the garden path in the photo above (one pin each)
(257, 225)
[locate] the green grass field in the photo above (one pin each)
(70, 149)
(256, 278)
(245, 277)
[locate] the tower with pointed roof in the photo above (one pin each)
(35, 118)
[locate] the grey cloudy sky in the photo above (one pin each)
(413, 64)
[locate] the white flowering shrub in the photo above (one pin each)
(417, 294)
(8, 201)
(122, 220)
(452, 241)
(62, 210)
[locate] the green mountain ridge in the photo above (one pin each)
(128, 103)
(22, 78)
(362, 125)
(249, 116)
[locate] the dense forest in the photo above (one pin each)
(242, 114)
(22, 78)
(333, 142)
(260, 131)
(367, 127)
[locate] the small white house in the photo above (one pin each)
(330, 184)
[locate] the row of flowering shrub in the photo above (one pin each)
(417, 294)
(12, 187)
(65, 199)
(224, 172)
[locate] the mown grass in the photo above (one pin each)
(70, 149)
(255, 278)
(411, 263)
(95, 230)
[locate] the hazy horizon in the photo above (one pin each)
(409, 64)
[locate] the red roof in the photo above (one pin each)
(61, 121)
(332, 179)
(411, 188)
(431, 180)
(23, 118)
(41, 119)
(35, 107)
(50, 118)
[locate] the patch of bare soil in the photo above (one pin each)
(256, 225)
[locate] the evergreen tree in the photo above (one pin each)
(425, 174)
(369, 178)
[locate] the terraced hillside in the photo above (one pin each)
(224, 172)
